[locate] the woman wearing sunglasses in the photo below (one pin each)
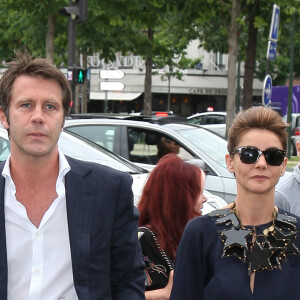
(250, 249)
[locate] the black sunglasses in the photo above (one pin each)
(250, 155)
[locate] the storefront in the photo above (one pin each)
(195, 93)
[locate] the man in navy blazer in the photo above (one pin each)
(68, 229)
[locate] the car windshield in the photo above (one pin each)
(209, 143)
(76, 147)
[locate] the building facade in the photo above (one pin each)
(200, 88)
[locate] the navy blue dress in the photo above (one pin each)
(201, 272)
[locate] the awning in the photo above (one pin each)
(114, 96)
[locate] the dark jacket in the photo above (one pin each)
(102, 220)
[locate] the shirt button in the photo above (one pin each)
(37, 234)
(37, 270)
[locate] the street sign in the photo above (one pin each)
(274, 24)
(111, 86)
(111, 74)
(271, 52)
(267, 91)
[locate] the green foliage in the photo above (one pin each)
(24, 25)
(123, 26)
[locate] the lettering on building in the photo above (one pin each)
(121, 62)
(206, 91)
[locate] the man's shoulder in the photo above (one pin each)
(82, 164)
(288, 181)
(85, 167)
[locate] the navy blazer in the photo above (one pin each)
(106, 255)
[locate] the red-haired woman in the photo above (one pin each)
(171, 197)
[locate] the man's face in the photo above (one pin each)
(35, 116)
(170, 145)
(298, 148)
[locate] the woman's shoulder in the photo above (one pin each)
(204, 224)
(146, 235)
(289, 217)
(210, 218)
(145, 230)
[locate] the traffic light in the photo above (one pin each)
(77, 75)
(77, 10)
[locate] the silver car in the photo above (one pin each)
(137, 142)
(87, 151)
(215, 121)
(82, 149)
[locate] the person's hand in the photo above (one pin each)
(161, 294)
(170, 284)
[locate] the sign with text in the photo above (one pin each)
(271, 52)
(111, 74)
(111, 86)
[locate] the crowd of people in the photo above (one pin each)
(69, 229)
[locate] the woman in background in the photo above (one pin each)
(173, 194)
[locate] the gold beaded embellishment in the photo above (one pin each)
(261, 251)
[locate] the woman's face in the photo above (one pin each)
(259, 177)
(201, 199)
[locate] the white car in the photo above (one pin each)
(215, 121)
(137, 142)
(82, 149)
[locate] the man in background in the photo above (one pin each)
(287, 191)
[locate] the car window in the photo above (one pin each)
(200, 120)
(215, 119)
(147, 146)
(102, 135)
(142, 146)
(211, 144)
(80, 149)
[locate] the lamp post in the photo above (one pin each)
(289, 112)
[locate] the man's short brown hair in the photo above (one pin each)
(25, 64)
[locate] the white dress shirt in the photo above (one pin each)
(39, 259)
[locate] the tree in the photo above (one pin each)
(217, 22)
(279, 68)
(172, 68)
(232, 61)
(253, 24)
(258, 19)
(171, 49)
(26, 24)
(143, 27)
(130, 27)
(150, 19)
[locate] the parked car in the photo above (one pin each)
(80, 148)
(295, 131)
(215, 121)
(137, 142)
